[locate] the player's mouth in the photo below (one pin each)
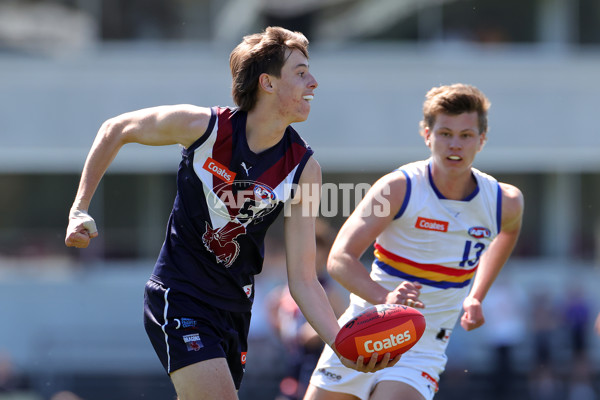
(454, 158)
(308, 97)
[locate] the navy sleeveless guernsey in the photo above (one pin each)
(227, 197)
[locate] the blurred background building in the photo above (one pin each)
(70, 320)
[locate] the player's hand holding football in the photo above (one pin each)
(372, 365)
(473, 315)
(81, 229)
(407, 293)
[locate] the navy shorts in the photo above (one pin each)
(184, 330)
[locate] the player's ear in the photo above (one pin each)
(482, 140)
(265, 82)
(426, 135)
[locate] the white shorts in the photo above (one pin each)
(414, 369)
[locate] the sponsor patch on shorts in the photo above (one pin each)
(444, 334)
(433, 385)
(193, 342)
(329, 375)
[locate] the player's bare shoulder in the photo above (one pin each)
(392, 186)
(384, 198)
(186, 121)
(511, 194)
(162, 125)
(309, 184)
(513, 204)
(311, 173)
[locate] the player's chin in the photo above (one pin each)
(303, 115)
(300, 119)
(303, 111)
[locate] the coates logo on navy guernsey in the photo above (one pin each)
(219, 170)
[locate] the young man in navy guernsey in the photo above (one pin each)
(240, 167)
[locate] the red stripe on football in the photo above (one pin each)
(383, 328)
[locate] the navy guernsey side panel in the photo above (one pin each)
(227, 197)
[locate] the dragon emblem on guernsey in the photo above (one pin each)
(220, 241)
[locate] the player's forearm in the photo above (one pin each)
(492, 263)
(488, 271)
(354, 277)
(314, 304)
(106, 146)
(483, 282)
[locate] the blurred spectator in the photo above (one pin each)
(65, 395)
(597, 325)
(580, 385)
(505, 329)
(301, 342)
(264, 365)
(542, 317)
(10, 380)
(576, 317)
(543, 382)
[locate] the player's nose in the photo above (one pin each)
(312, 83)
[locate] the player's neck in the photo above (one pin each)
(454, 186)
(263, 130)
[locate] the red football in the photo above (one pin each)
(383, 328)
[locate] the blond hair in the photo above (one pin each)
(453, 100)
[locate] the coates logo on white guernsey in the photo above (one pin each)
(431, 224)
(479, 232)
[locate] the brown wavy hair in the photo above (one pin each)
(259, 53)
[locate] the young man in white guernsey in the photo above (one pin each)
(442, 232)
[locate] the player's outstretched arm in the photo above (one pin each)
(372, 215)
(300, 245)
(157, 126)
(494, 259)
(305, 288)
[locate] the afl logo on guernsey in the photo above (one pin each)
(219, 170)
(251, 200)
(264, 192)
(479, 232)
